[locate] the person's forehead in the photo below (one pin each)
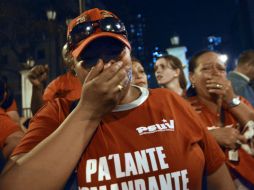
(161, 61)
(210, 58)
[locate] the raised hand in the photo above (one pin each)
(220, 86)
(38, 75)
(101, 92)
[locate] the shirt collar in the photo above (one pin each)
(243, 76)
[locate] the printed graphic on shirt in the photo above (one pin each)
(147, 161)
(164, 126)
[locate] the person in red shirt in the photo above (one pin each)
(10, 132)
(117, 136)
(228, 117)
(66, 85)
(139, 76)
(9, 104)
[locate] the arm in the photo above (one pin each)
(11, 142)
(34, 169)
(38, 76)
(227, 136)
(36, 100)
(220, 180)
(242, 112)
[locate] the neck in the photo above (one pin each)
(212, 105)
(174, 86)
(131, 95)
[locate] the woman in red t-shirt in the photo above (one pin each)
(226, 115)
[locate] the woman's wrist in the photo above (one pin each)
(233, 102)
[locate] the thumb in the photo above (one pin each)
(242, 139)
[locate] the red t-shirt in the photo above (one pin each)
(155, 141)
(65, 86)
(7, 127)
(245, 166)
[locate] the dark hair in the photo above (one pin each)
(193, 60)
(5, 89)
(246, 57)
(176, 64)
(2, 88)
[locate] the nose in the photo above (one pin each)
(215, 70)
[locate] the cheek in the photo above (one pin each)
(169, 73)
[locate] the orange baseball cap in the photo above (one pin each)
(91, 16)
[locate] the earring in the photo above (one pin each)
(192, 85)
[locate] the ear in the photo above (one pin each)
(177, 73)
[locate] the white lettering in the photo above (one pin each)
(151, 151)
(165, 126)
(165, 183)
(90, 169)
(114, 187)
(130, 165)
(162, 156)
(128, 186)
(118, 169)
(103, 169)
(152, 128)
(140, 184)
(176, 175)
(152, 183)
(185, 179)
(171, 124)
(142, 163)
(141, 129)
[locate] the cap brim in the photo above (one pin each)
(76, 52)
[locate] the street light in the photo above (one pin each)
(52, 42)
(51, 14)
(175, 40)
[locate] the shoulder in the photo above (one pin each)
(55, 106)
(59, 79)
(44, 122)
(163, 95)
(7, 126)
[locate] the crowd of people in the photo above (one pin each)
(99, 126)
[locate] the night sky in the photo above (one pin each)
(192, 20)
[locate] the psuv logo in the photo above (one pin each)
(164, 126)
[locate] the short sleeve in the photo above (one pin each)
(50, 91)
(7, 127)
(214, 156)
(45, 122)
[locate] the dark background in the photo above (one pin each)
(26, 32)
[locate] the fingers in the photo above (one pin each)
(38, 71)
(111, 70)
(38, 74)
(95, 71)
(242, 139)
(220, 86)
